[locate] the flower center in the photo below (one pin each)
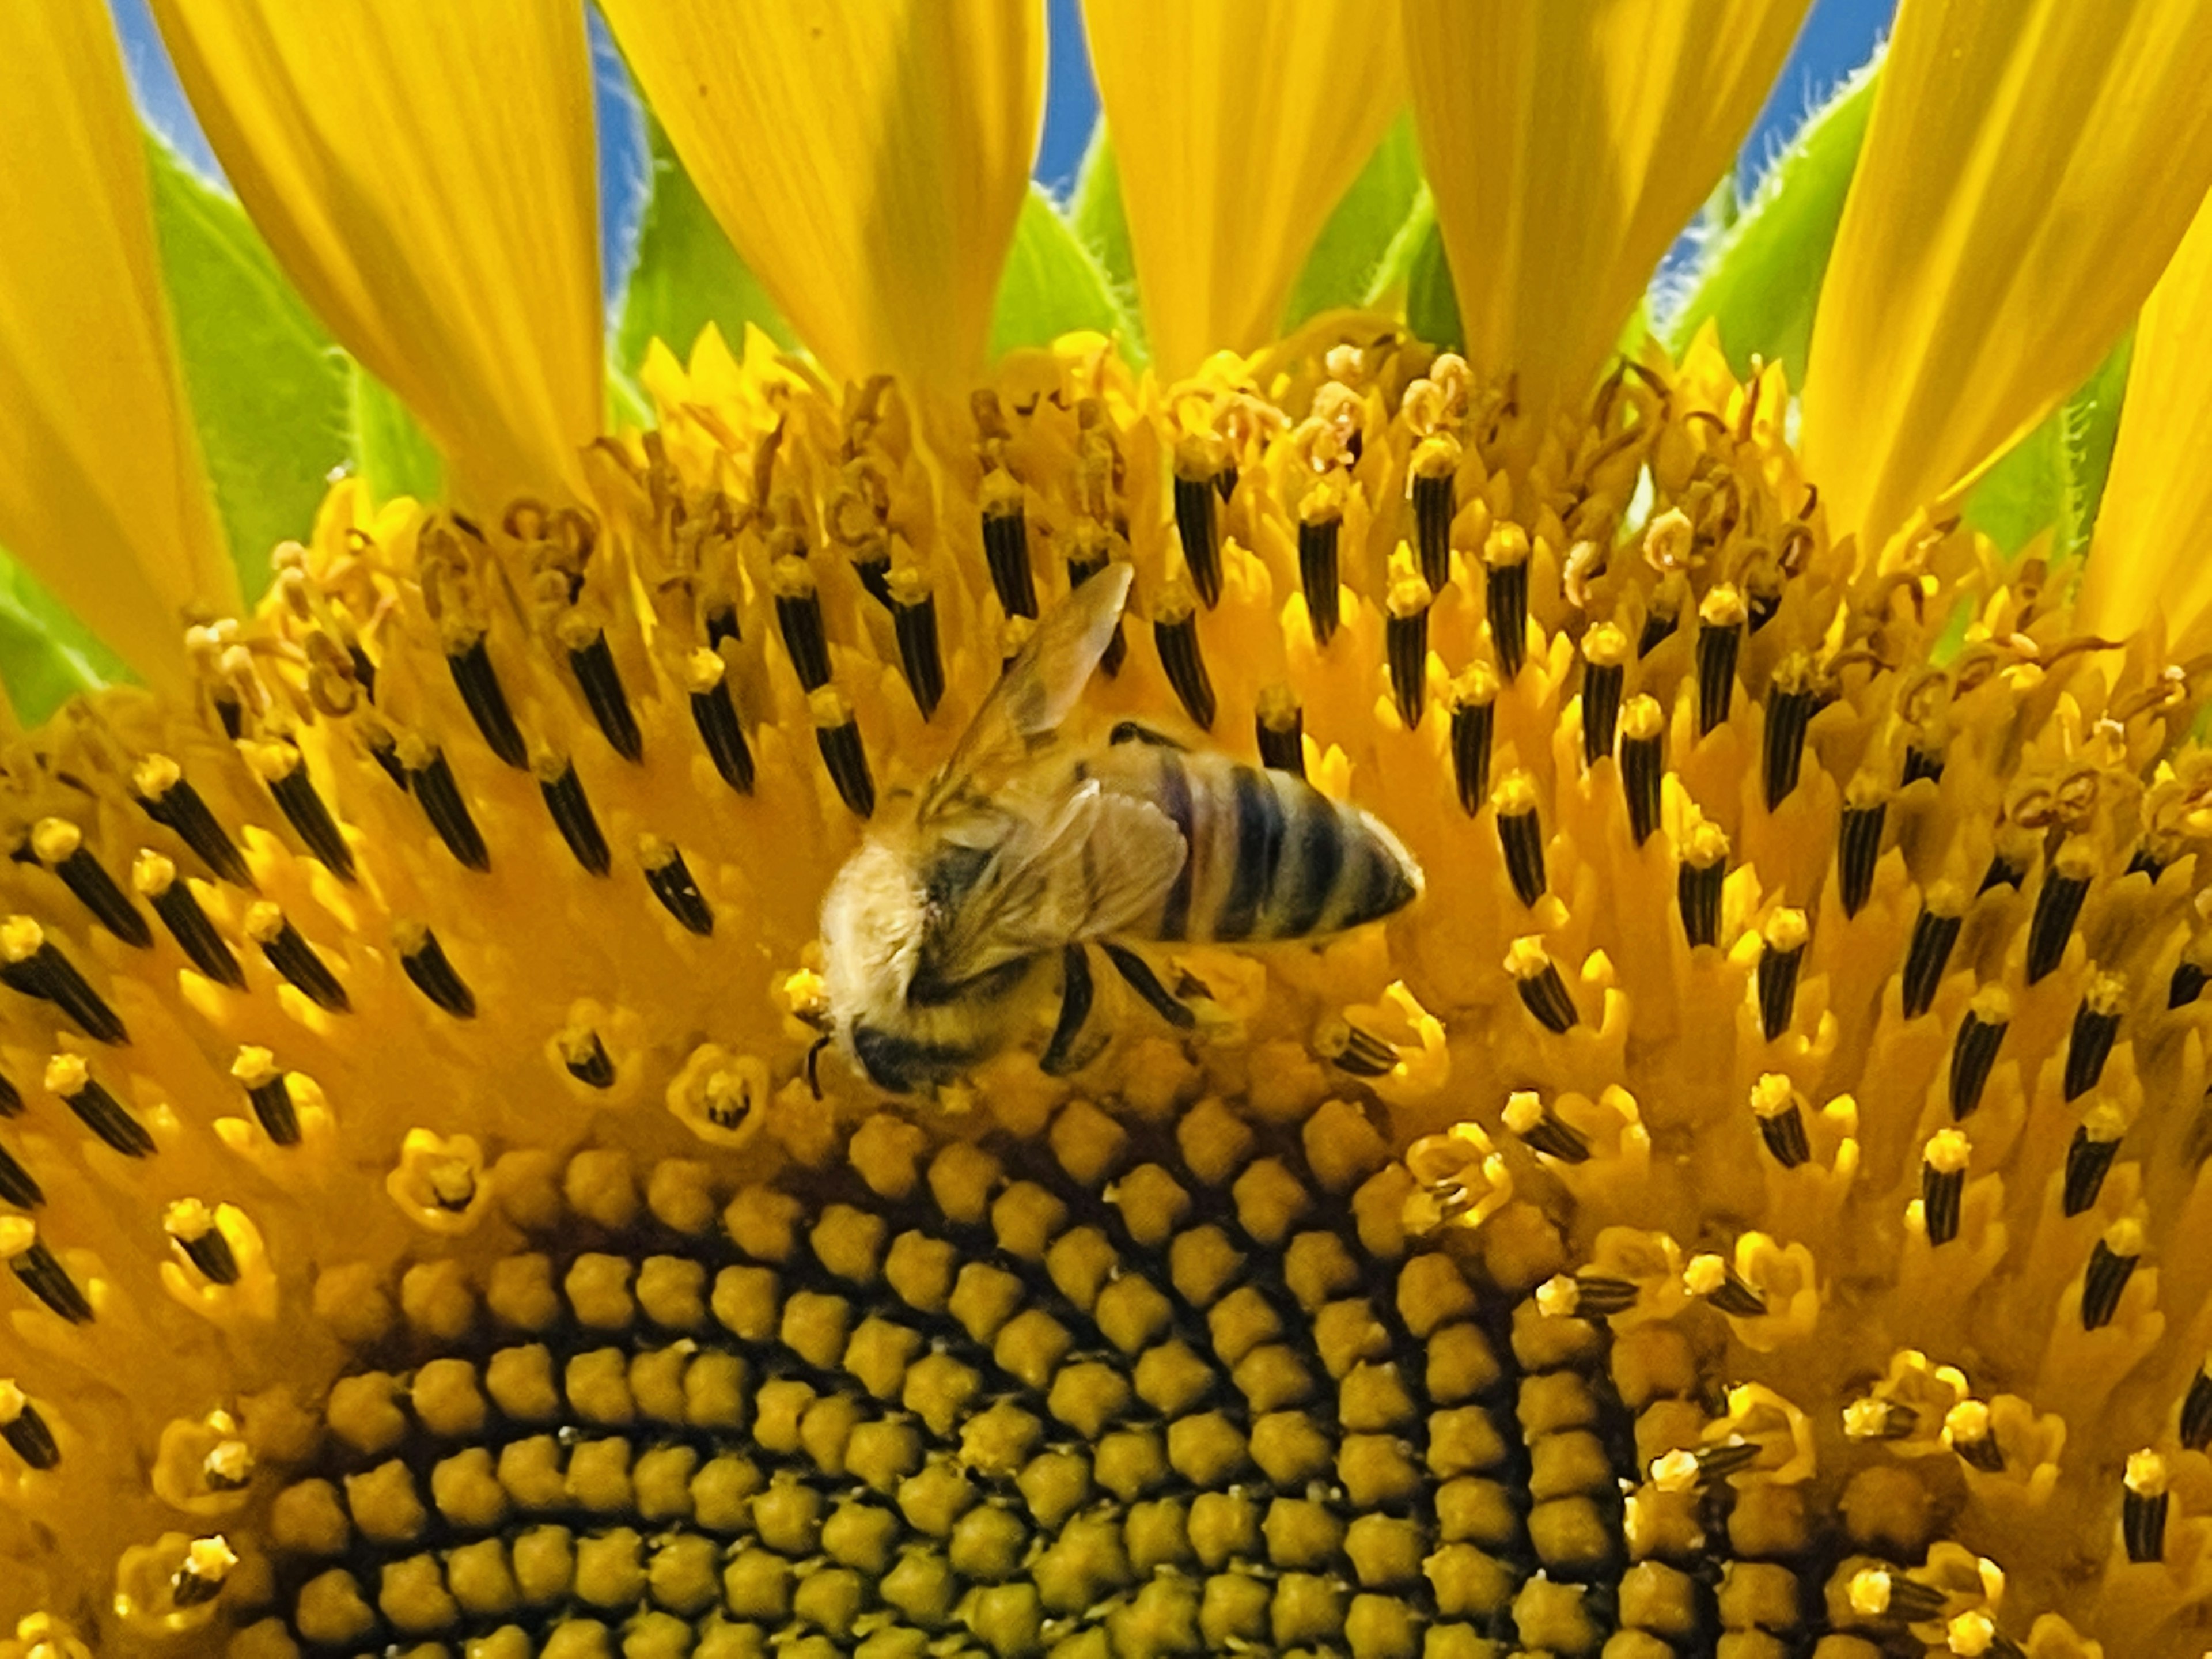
(1733, 1181)
(1184, 1384)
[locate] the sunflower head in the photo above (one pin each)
(1602, 1055)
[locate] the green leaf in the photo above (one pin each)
(2030, 489)
(2054, 477)
(1431, 303)
(1723, 207)
(1341, 268)
(1051, 285)
(1760, 276)
(687, 274)
(46, 655)
(1417, 260)
(1635, 331)
(267, 386)
(627, 405)
(2093, 426)
(393, 455)
(1386, 283)
(1095, 211)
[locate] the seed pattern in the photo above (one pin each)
(1127, 1388)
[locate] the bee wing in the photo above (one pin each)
(1035, 692)
(1097, 866)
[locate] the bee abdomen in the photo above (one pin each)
(1349, 871)
(1272, 858)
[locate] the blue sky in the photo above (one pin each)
(1838, 37)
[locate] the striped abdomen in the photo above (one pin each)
(1271, 857)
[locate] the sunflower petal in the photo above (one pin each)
(1567, 143)
(868, 161)
(426, 174)
(2148, 553)
(102, 490)
(1238, 127)
(2028, 170)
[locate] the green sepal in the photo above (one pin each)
(1358, 258)
(391, 452)
(1629, 346)
(627, 405)
(2093, 427)
(1386, 283)
(1432, 302)
(47, 655)
(1052, 284)
(1416, 262)
(268, 388)
(1760, 275)
(687, 273)
(1095, 212)
(2054, 479)
(1341, 268)
(2028, 489)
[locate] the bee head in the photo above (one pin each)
(875, 927)
(873, 920)
(892, 1009)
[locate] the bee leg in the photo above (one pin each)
(1061, 1056)
(1130, 732)
(1146, 984)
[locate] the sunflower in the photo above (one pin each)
(1752, 1201)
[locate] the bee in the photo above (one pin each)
(1027, 847)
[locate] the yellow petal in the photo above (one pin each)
(1237, 126)
(1567, 143)
(101, 488)
(2029, 167)
(425, 171)
(869, 161)
(2156, 520)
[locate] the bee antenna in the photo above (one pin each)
(813, 1067)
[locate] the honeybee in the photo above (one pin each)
(1026, 848)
